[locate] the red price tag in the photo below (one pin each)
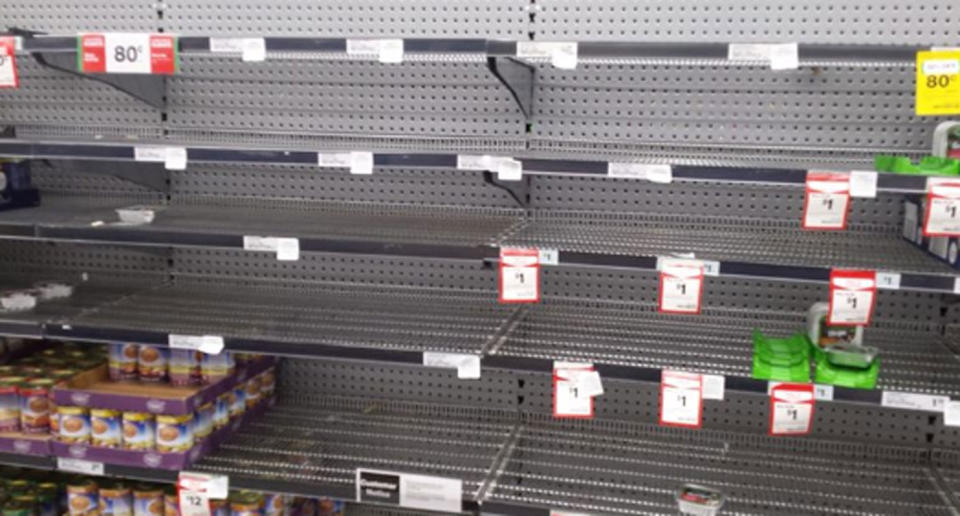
(852, 296)
(519, 275)
(681, 286)
(826, 202)
(791, 409)
(8, 63)
(195, 490)
(942, 217)
(681, 399)
(128, 53)
(572, 399)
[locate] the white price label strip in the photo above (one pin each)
(562, 54)
(422, 492)
(653, 173)
(549, 256)
(467, 365)
(360, 163)
(84, 467)
(911, 401)
(681, 399)
(863, 184)
(888, 280)
(780, 56)
(951, 415)
(287, 249)
(507, 169)
(714, 386)
(385, 50)
(210, 344)
(173, 158)
(250, 49)
(519, 275)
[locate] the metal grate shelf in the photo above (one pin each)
(716, 342)
(607, 469)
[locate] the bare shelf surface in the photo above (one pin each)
(718, 341)
(600, 467)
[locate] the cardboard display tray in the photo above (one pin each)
(94, 389)
(26, 444)
(153, 459)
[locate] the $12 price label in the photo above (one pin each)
(127, 53)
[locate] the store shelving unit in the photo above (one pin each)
(404, 261)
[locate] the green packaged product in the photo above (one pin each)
(781, 359)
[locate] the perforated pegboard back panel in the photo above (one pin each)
(744, 204)
(440, 102)
(211, 264)
(739, 108)
(78, 263)
(52, 103)
(501, 19)
(53, 178)
(923, 22)
(66, 17)
(270, 184)
(753, 299)
(308, 381)
(746, 414)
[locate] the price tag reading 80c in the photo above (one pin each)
(128, 53)
(938, 82)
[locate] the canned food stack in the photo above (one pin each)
(42, 493)
(178, 367)
(164, 433)
(26, 385)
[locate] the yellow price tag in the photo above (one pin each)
(938, 82)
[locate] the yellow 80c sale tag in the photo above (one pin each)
(938, 82)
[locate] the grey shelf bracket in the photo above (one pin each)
(518, 77)
(151, 175)
(147, 88)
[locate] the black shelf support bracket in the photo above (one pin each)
(154, 176)
(148, 88)
(519, 190)
(518, 77)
